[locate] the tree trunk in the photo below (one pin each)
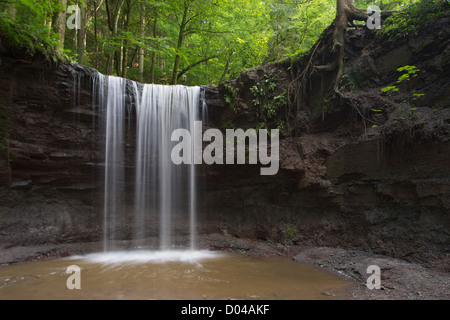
(81, 35)
(141, 49)
(125, 45)
(176, 65)
(154, 34)
(227, 66)
(96, 34)
(182, 72)
(113, 22)
(59, 23)
(346, 13)
(120, 58)
(125, 61)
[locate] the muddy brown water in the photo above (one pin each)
(173, 275)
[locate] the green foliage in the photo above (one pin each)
(378, 112)
(232, 97)
(229, 124)
(410, 71)
(295, 26)
(289, 234)
(27, 24)
(270, 102)
(282, 126)
(234, 34)
(413, 115)
(404, 22)
(418, 95)
(267, 99)
(408, 112)
(390, 88)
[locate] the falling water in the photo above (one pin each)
(164, 193)
(114, 172)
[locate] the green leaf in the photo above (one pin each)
(391, 88)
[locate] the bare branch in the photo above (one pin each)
(196, 64)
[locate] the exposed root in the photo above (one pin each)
(298, 84)
(346, 14)
(328, 67)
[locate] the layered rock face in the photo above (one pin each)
(343, 182)
(363, 170)
(50, 187)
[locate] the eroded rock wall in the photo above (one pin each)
(343, 182)
(366, 169)
(50, 188)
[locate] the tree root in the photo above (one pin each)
(346, 14)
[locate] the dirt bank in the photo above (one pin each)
(400, 280)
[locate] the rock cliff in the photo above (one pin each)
(367, 169)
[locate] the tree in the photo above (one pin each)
(81, 35)
(296, 26)
(154, 51)
(141, 49)
(190, 41)
(346, 13)
(113, 15)
(229, 38)
(191, 12)
(59, 23)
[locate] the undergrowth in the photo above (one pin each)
(28, 31)
(403, 22)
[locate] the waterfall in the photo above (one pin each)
(114, 153)
(158, 196)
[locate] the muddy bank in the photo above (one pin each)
(400, 280)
